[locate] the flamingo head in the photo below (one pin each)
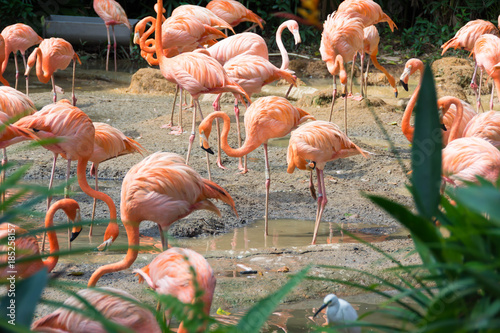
(293, 26)
(31, 61)
(205, 128)
(411, 67)
(72, 210)
(110, 236)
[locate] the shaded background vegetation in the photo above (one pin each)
(423, 25)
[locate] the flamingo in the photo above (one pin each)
(267, 118)
(2, 61)
(341, 39)
(163, 189)
(411, 67)
(171, 273)
(234, 12)
(203, 14)
(197, 74)
(466, 37)
(484, 125)
(77, 134)
(319, 142)
(28, 246)
(18, 37)
(487, 55)
(51, 55)
(112, 14)
(109, 143)
(370, 47)
(466, 158)
(114, 304)
(453, 118)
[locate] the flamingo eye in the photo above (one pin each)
(36, 130)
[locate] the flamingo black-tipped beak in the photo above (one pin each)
(321, 308)
(443, 127)
(396, 94)
(405, 85)
(75, 232)
(208, 150)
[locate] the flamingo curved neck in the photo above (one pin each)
(146, 34)
(458, 117)
(133, 241)
(41, 75)
(51, 261)
(406, 127)
(248, 146)
(82, 182)
(284, 54)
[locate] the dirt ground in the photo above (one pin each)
(140, 108)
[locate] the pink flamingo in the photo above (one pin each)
(170, 273)
(487, 55)
(109, 143)
(163, 189)
(411, 67)
(234, 12)
(466, 158)
(77, 134)
(18, 37)
(112, 14)
(485, 125)
(267, 118)
(51, 55)
(114, 304)
(28, 246)
(319, 142)
(197, 74)
(203, 14)
(370, 47)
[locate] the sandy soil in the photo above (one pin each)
(139, 109)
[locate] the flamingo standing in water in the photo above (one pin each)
(18, 37)
(370, 47)
(487, 55)
(114, 304)
(411, 67)
(267, 118)
(28, 246)
(109, 143)
(234, 12)
(170, 273)
(163, 189)
(52, 54)
(77, 134)
(197, 74)
(319, 142)
(112, 14)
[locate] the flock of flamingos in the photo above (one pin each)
(162, 187)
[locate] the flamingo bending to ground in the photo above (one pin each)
(109, 143)
(28, 246)
(163, 189)
(77, 134)
(52, 54)
(18, 37)
(171, 273)
(114, 304)
(112, 14)
(487, 55)
(319, 142)
(370, 47)
(466, 158)
(411, 67)
(267, 118)
(197, 74)
(234, 12)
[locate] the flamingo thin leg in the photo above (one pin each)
(334, 93)
(114, 46)
(94, 204)
(17, 69)
(53, 88)
(322, 200)
(73, 83)
(109, 47)
(268, 185)
(238, 130)
(49, 198)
